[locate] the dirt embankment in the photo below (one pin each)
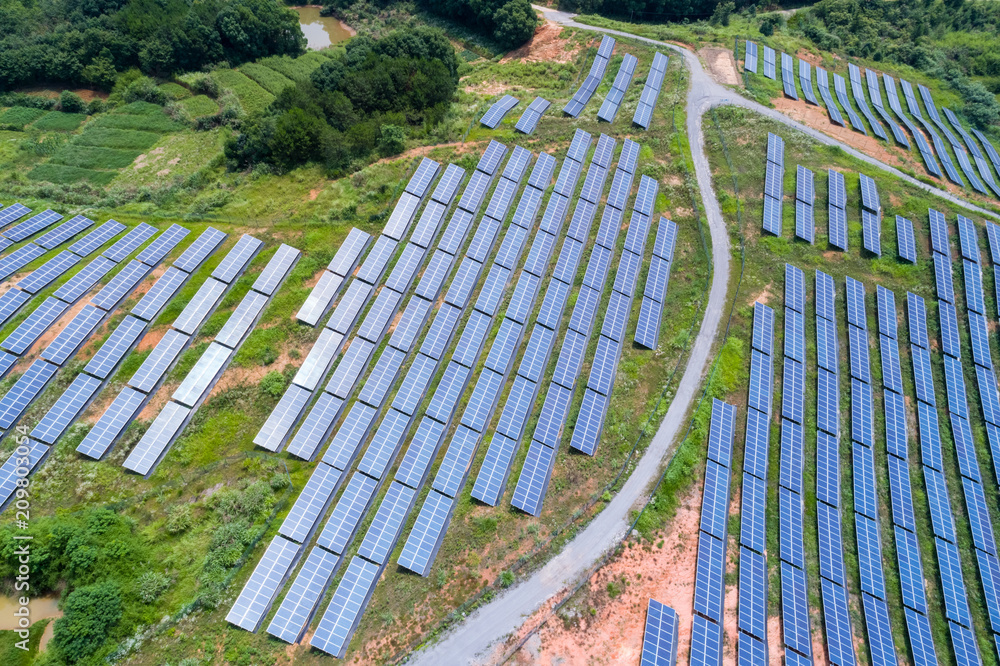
(547, 45)
(721, 65)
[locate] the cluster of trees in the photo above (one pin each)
(354, 104)
(510, 23)
(90, 41)
(646, 10)
(949, 40)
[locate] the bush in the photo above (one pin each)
(70, 102)
(204, 84)
(392, 140)
(151, 585)
(179, 519)
(506, 579)
(272, 385)
(143, 89)
(89, 613)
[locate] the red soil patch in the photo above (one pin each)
(810, 58)
(721, 65)
(547, 45)
(151, 339)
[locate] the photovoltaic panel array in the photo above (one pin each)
(589, 86)
(659, 640)
(972, 147)
(939, 148)
(596, 399)
(750, 56)
(609, 109)
(963, 159)
(858, 90)
(774, 175)
(805, 80)
(753, 527)
(528, 121)
(651, 89)
(804, 199)
(647, 331)
(926, 154)
(770, 62)
(831, 553)
(788, 76)
(500, 108)
(709, 590)
(875, 92)
(840, 88)
(823, 83)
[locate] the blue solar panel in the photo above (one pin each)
(827, 469)
(840, 642)
(979, 518)
(862, 413)
(869, 556)
(590, 422)
(795, 335)
(710, 581)
(266, 580)
(856, 303)
(753, 594)
(795, 609)
(335, 628)
(387, 524)
(790, 472)
(449, 390)
(826, 295)
(66, 409)
(828, 402)
(791, 543)
(24, 391)
(753, 519)
(715, 503)
(831, 544)
(422, 545)
(304, 595)
(660, 638)
(532, 485)
(952, 584)
(883, 651)
(860, 362)
(73, 335)
(757, 442)
(48, 272)
(793, 391)
(763, 328)
(706, 642)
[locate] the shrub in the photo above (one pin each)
(151, 585)
(272, 384)
(506, 579)
(179, 518)
(392, 140)
(203, 84)
(70, 102)
(90, 612)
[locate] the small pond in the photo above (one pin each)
(321, 31)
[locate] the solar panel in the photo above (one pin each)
(449, 390)
(32, 225)
(343, 263)
(448, 185)
(452, 473)
(869, 556)
(316, 427)
(872, 231)
(957, 401)
(760, 382)
(63, 232)
(522, 302)
(952, 584)
(772, 215)
(420, 182)
(347, 513)
(45, 274)
(706, 635)
(112, 423)
(536, 353)
(840, 643)
(303, 596)
(792, 404)
(120, 285)
(715, 502)
(827, 402)
(791, 540)
(415, 384)
(276, 270)
(242, 320)
(471, 343)
(96, 238)
(320, 297)
(66, 409)
(883, 650)
(757, 436)
(18, 259)
(201, 377)
(385, 444)
(381, 378)
(338, 623)
(387, 524)
(491, 158)
(410, 323)
(154, 444)
(792, 450)
(537, 262)
(979, 518)
(484, 397)
(861, 413)
(795, 609)
(311, 504)
(69, 340)
(974, 287)
(989, 572)
(709, 582)
(529, 119)
(590, 422)
(164, 289)
(263, 585)
(345, 315)
(13, 212)
(278, 426)
(660, 637)
(442, 328)
(156, 251)
(831, 549)
(203, 246)
(200, 306)
(11, 302)
(114, 349)
(87, 277)
(247, 247)
(421, 453)
(352, 365)
(753, 595)
(886, 301)
(550, 313)
(424, 540)
(31, 329)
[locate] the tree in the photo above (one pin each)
(296, 138)
(392, 140)
(89, 613)
(514, 23)
(70, 102)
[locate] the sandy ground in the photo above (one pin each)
(721, 65)
(601, 630)
(546, 46)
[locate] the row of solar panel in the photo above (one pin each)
(788, 76)
(926, 154)
(654, 297)
(804, 198)
(498, 110)
(609, 109)
(709, 587)
(492, 477)
(875, 93)
(774, 174)
(528, 121)
(643, 115)
(752, 641)
(589, 86)
(858, 91)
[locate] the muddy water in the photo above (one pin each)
(321, 31)
(40, 607)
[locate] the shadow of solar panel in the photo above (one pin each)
(533, 483)
(112, 423)
(831, 545)
(205, 300)
(590, 422)
(420, 182)
(200, 250)
(869, 556)
(335, 628)
(203, 375)
(72, 337)
(45, 274)
(156, 251)
(164, 289)
(255, 599)
(115, 291)
(449, 390)
(119, 343)
(278, 426)
(154, 444)
(347, 513)
(423, 449)
(414, 385)
(349, 436)
(297, 608)
(422, 544)
(317, 427)
(311, 504)
(66, 409)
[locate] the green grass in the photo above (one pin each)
(158, 122)
(252, 97)
(19, 116)
(200, 105)
(107, 137)
(64, 175)
(296, 69)
(270, 79)
(94, 157)
(140, 108)
(59, 121)
(175, 91)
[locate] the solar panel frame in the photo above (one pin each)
(157, 440)
(194, 314)
(265, 581)
(112, 423)
(280, 423)
(119, 343)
